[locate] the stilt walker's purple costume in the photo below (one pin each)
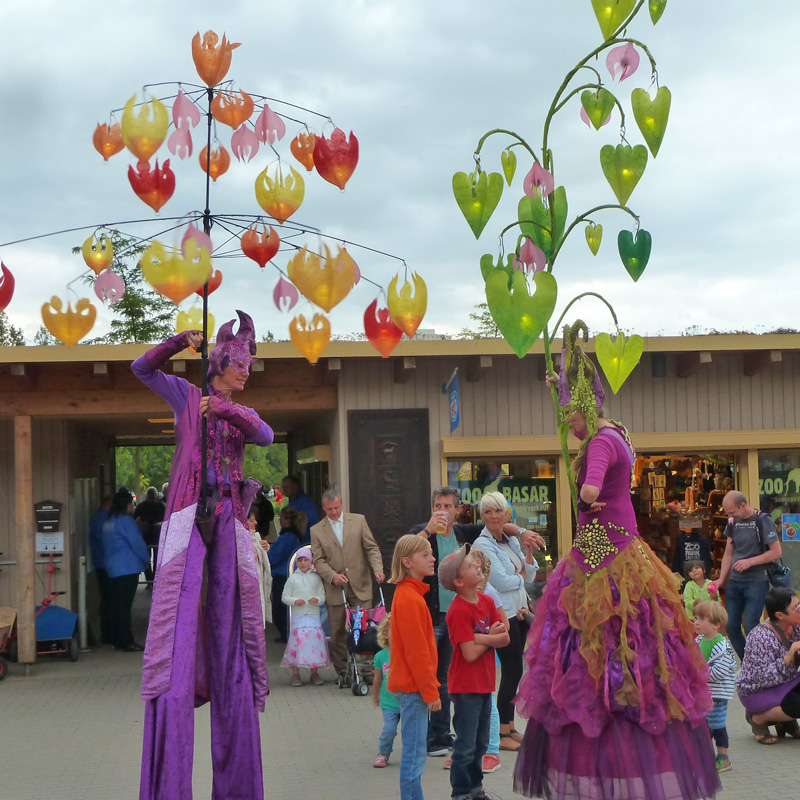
(616, 691)
(213, 653)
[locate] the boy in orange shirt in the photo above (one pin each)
(475, 630)
(412, 678)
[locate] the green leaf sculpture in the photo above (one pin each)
(520, 316)
(635, 253)
(477, 197)
(508, 161)
(611, 14)
(623, 167)
(597, 105)
(488, 265)
(594, 235)
(534, 217)
(651, 115)
(618, 356)
(656, 9)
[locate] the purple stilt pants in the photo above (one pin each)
(169, 719)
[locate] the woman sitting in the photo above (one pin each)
(769, 683)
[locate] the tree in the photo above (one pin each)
(9, 335)
(141, 314)
(487, 327)
(44, 337)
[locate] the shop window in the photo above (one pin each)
(529, 486)
(779, 496)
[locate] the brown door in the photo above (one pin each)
(389, 472)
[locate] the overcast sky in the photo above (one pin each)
(419, 81)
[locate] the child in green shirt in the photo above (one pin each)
(698, 588)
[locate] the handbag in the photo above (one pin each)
(777, 572)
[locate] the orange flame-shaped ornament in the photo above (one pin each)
(98, 253)
(231, 110)
(325, 281)
(212, 62)
(281, 196)
(107, 139)
(302, 148)
(69, 326)
(310, 339)
(407, 311)
(218, 163)
(260, 248)
(173, 275)
(145, 130)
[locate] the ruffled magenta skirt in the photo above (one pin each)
(616, 693)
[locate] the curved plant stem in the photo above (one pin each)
(516, 136)
(583, 217)
(575, 300)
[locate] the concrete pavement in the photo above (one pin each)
(73, 731)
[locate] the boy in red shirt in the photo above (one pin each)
(475, 631)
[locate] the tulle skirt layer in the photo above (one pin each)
(306, 648)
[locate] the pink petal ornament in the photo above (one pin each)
(200, 237)
(623, 59)
(285, 295)
(109, 287)
(180, 143)
(585, 118)
(269, 126)
(244, 144)
(531, 257)
(538, 181)
(184, 112)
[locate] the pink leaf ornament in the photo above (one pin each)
(201, 238)
(585, 118)
(538, 181)
(269, 126)
(180, 143)
(184, 112)
(285, 295)
(532, 257)
(244, 144)
(622, 61)
(109, 287)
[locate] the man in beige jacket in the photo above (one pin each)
(345, 556)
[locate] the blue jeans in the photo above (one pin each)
(439, 723)
(471, 719)
(414, 732)
(391, 719)
(494, 731)
(744, 602)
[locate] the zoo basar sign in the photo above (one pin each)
(779, 483)
(532, 498)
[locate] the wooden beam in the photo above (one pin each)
(331, 370)
(687, 364)
(477, 367)
(404, 368)
(759, 360)
(25, 540)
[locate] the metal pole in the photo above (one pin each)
(83, 622)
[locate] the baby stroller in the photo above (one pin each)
(362, 642)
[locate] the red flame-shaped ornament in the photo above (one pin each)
(382, 333)
(214, 282)
(6, 286)
(107, 139)
(152, 186)
(336, 158)
(260, 248)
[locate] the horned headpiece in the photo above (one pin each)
(234, 350)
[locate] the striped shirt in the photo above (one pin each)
(722, 664)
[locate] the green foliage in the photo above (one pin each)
(486, 326)
(44, 337)
(141, 314)
(266, 464)
(9, 335)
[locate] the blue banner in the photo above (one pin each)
(451, 390)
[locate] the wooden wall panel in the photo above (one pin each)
(8, 586)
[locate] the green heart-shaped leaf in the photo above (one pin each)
(597, 105)
(534, 210)
(519, 316)
(635, 253)
(611, 14)
(594, 235)
(656, 8)
(488, 266)
(651, 115)
(623, 167)
(477, 197)
(508, 160)
(618, 357)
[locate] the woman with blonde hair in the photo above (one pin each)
(511, 574)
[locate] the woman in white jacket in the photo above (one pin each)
(510, 574)
(304, 593)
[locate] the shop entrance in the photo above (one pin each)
(680, 493)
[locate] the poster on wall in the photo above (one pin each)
(790, 527)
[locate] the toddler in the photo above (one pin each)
(709, 619)
(698, 588)
(382, 697)
(304, 594)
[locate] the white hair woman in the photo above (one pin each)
(511, 572)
